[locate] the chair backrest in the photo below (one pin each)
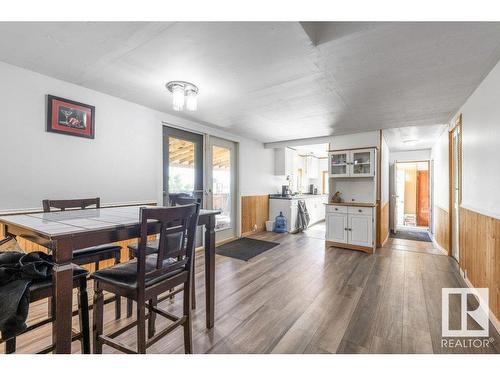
(176, 224)
(63, 204)
(182, 201)
(173, 199)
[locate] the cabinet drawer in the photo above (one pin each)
(339, 209)
(360, 210)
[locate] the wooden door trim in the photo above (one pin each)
(458, 123)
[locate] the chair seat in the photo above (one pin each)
(125, 274)
(109, 249)
(173, 244)
(39, 286)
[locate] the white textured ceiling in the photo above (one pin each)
(319, 150)
(271, 81)
(412, 137)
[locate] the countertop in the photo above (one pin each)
(353, 204)
(298, 196)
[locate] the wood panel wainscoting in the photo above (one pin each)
(254, 212)
(384, 223)
(480, 254)
(442, 233)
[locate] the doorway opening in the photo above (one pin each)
(412, 192)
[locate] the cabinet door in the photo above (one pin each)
(362, 163)
(336, 227)
(338, 166)
(361, 230)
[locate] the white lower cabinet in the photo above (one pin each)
(336, 227)
(360, 230)
(350, 226)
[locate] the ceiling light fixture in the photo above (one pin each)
(410, 140)
(183, 90)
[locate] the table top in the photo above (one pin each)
(68, 222)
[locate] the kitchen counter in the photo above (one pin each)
(353, 204)
(298, 196)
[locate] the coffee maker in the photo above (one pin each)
(285, 191)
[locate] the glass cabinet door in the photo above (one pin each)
(362, 163)
(339, 164)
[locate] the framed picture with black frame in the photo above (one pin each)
(68, 117)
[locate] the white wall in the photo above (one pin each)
(122, 164)
(414, 155)
(480, 147)
(365, 139)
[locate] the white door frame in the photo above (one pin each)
(235, 220)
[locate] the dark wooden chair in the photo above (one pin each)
(92, 254)
(149, 275)
(180, 199)
(41, 289)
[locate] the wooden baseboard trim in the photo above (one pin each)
(438, 246)
(385, 240)
(368, 250)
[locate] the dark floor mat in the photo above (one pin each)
(412, 235)
(244, 248)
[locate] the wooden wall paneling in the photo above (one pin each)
(442, 228)
(254, 211)
(384, 223)
(480, 254)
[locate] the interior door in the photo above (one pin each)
(221, 181)
(336, 227)
(360, 230)
(399, 196)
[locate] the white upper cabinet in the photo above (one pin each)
(352, 163)
(284, 161)
(338, 164)
(312, 167)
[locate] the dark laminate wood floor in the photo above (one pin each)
(300, 298)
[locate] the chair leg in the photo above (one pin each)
(129, 301)
(193, 289)
(98, 318)
(83, 314)
(118, 300)
(10, 346)
(188, 339)
(141, 326)
(152, 317)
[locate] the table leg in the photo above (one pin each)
(210, 270)
(62, 278)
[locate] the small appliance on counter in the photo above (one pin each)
(313, 189)
(280, 224)
(285, 191)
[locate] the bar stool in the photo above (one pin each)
(93, 254)
(41, 289)
(149, 275)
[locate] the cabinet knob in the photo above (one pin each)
(360, 210)
(336, 209)
(349, 229)
(345, 229)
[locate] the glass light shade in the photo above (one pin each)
(191, 100)
(178, 98)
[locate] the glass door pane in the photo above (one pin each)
(361, 162)
(221, 186)
(181, 166)
(338, 163)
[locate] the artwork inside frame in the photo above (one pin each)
(66, 116)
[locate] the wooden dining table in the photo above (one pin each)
(63, 232)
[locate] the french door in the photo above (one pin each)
(182, 163)
(221, 169)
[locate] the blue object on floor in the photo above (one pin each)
(280, 223)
